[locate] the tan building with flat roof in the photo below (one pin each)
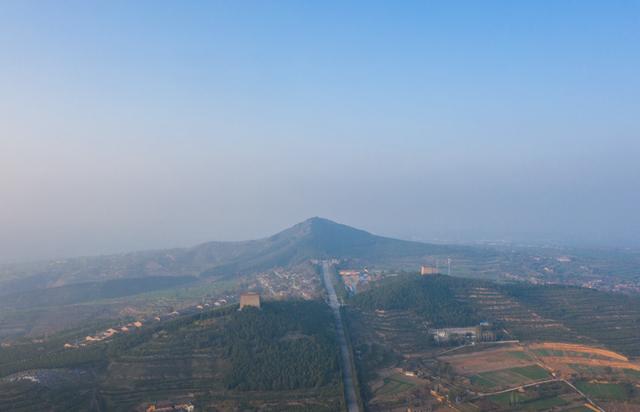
(250, 299)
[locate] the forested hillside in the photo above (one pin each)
(431, 297)
(526, 312)
(283, 352)
(280, 347)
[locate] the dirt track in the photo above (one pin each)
(565, 360)
(578, 348)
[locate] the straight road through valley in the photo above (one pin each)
(345, 354)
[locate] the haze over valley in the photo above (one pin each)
(260, 206)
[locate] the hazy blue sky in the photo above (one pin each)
(135, 125)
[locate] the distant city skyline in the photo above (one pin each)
(132, 126)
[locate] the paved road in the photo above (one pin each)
(345, 353)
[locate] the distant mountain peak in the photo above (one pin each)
(317, 221)
(313, 238)
(320, 227)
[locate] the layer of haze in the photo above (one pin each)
(137, 125)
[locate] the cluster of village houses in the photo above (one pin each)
(109, 333)
(105, 334)
(356, 280)
(286, 284)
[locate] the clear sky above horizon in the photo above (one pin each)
(137, 125)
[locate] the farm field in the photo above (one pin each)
(603, 375)
(570, 360)
(556, 396)
(479, 361)
(395, 384)
(554, 313)
(591, 317)
(605, 391)
(503, 378)
(568, 349)
(563, 359)
(542, 345)
(526, 401)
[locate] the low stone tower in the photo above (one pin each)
(428, 270)
(250, 299)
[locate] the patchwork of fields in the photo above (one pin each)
(518, 376)
(592, 336)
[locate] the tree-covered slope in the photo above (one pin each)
(523, 311)
(283, 352)
(431, 297)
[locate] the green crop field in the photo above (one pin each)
(533, 372)
(509, 377)
(611, 391)
(519, 355)
(589, 370)
(483, 382)
(543, 404)
(394, 384)
(504, 399)
(527, 402)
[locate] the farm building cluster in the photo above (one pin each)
(480, 333)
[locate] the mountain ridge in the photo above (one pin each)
(315, 237)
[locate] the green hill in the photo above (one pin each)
(526, 312)
(280, 354)
(433, 298)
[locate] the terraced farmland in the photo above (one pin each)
(401, 331)
(587, 315)
(520, 320)
(559, 314)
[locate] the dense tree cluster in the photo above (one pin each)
(432, 297)
(288, 345)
